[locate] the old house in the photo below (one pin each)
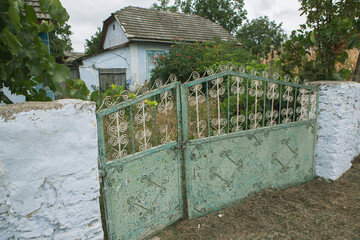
(132, 36)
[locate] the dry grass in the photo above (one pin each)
(349, 64)
(316, 210)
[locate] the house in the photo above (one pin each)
(132, 36)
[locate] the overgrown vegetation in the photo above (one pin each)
(184, 58)
(25, 62)
(331, 28)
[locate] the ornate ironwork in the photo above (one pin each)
(237, 88)
(196, 97)
(216, 91)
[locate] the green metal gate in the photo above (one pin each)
(241, 133)
(244, 133)
(141, 162)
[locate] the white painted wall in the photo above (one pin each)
(114, 36)
(13, 97)
(49, 186)
(117, 58)
(339, 128)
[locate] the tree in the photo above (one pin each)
(331, 28)
(92, 44)
(60, 41)
(24, 61)
(184, 58)
(260, 34)
(227, 13)
(164, 6)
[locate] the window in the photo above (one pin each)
(115, 76)
(150, 61)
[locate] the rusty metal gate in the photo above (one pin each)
(239, 132)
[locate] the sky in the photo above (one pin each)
(87, 15)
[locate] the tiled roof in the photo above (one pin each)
(39, 14)
(142, 23)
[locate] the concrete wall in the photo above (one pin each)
(49, 186)
(339, 128)
(114, 35)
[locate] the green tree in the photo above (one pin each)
(60, 41)
(331, 28)
(228, 13)
(184, 58)
(92, 44)
(164, 6)
(24, 61)
(260, 34)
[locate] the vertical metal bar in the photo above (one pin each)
(228, 105)
(101, 142)
(156, 140)
(207, 105)
(155, 122)
(247, 103)
(264, 108)
(185, 130)
(308, 117)
(280, 96)
(178, 110)
(295, 99)
(102, 156)
(132, 131)
(184, 113)
(180, 160)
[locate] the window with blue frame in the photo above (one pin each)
(151, 55)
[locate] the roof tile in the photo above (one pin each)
(161, 25)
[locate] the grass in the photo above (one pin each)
(319, 209)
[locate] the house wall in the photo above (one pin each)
(131, 57)
(114, 37)
(49, 184)
(142, 47)
(117, 58)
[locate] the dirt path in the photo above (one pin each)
(316, 210)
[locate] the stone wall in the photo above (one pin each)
(339, 128)
(49, 187)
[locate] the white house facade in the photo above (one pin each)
(133, 37)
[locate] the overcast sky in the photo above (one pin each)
(87, 15)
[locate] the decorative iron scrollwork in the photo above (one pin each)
(201, 210)
(197, 148)
(285, 167)
(227, 154)
(258, 141)
(148, 178)
(112, 180)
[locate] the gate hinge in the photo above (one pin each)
(102, 173)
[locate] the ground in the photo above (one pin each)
(319, 209)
